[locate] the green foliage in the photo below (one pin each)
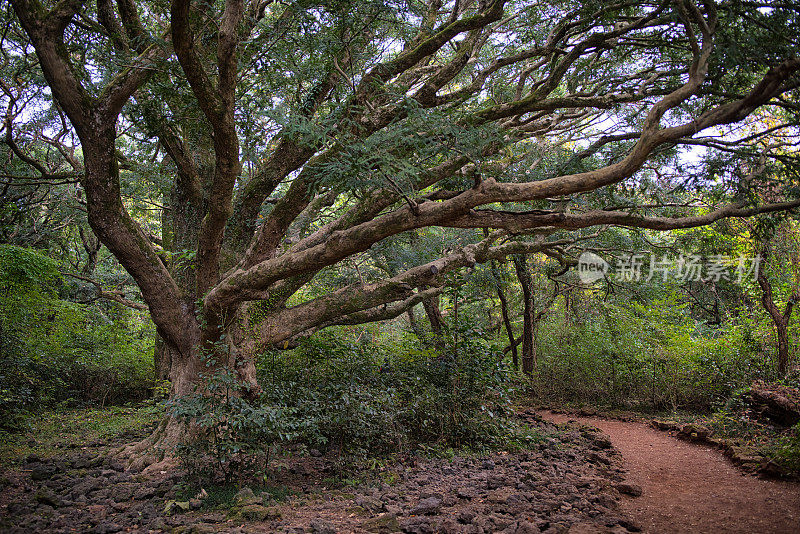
(651, 356)
(742, 427)
(359, 394)
(54, 350)
(227, 433)
(26, 268)
(787, 453)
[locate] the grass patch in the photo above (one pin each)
(221, 497)
(46, 434)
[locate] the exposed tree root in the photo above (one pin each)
(157, 451)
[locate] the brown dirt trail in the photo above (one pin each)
(690, 488)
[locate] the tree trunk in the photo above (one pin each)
(525, 280)
(506, 318)
(782, 329)
(779, 319)
(412, 322)
(162, 359)
(434, 314)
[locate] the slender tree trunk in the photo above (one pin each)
(506, 318)
(783, 348)
(779, 319)
(525, 280)
(412, 322)
(92, 245)
(434, 314)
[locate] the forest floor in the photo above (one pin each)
(690, 488)
(571, 479)
(566, 480)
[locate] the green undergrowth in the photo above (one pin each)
(49, 433)
(648, 359)
(735, 424)
(353, 396)
(222, 496)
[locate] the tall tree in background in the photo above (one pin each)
(528, 313)
(784, 239)
(284, 139)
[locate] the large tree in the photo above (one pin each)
(297, 135)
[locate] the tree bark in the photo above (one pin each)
(434, 314)
(162, 359)
(780, 320)
(506, 319)
(528, 314)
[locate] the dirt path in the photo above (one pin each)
(690, 488)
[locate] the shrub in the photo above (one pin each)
(653, 357)
(359, 395)
(228, 435)
(787, 453)
(53, 350)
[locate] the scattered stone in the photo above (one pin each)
(197, 528)
(144, 493)
(107, 528)
(246, 496)
(694, 432)
(599, 458)
(45, 495)
(417, 525)
(42, 472)
(466, 516)
(630, 525)
(465, 493)
(526, 527)
(257, 512)
(176, 507)
(429, 506)
(633, 490)
(368, 503)
(382, 524)
(319, 526)
(602, 442)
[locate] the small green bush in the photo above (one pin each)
(227, 434)
(787, 453)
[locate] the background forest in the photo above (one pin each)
(443, 373)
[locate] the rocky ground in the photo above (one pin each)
(570, 482)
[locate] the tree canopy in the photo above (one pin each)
(229, 154)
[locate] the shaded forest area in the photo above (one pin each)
(254, 245)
